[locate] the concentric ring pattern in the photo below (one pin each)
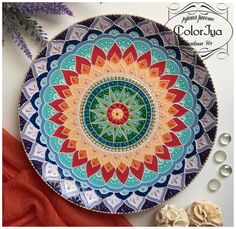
(118, 114)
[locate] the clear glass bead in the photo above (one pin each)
(225, 170)
(214, 185)
(220, 156)
(225, 139)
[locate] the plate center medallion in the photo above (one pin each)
(117, 113)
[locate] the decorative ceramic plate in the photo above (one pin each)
(118, 114)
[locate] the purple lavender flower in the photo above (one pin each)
(16, 36)
(56, 8)
(16, 16)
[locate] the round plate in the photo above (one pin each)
(118, 114)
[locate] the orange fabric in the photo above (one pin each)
(28, 201)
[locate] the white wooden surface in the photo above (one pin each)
(15, 66)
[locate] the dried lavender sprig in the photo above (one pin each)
(21, 43)
(16, 36)
(56, 8)
(19, 12)
(30, 25)
(36, 31)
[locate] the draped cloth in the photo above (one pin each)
(28, 201)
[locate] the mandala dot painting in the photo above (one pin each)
(118, 114)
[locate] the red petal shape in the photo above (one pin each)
(79, 158)
(176, 125)
(137, 168)
(62, 132)
(59, 105)
(130, 55)
(114, 53)
(163, 152)
(144, 61)
(175, 95)
(160, 66)
(171, 139)
(107, 171)
(92, 167)
(68, 146)
(151, 163)
(82, 65)
(122, 172)
(63, 90)
(58, 118)
(171, 78)
(98, 54)
(70, 77)
(177, 110)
